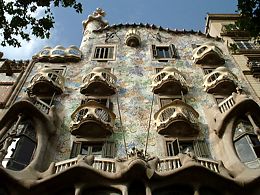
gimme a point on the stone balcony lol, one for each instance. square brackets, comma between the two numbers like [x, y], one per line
[169, 81]
[92, 120]
[220, 81]
[163, 165]
[177, 119]
[208, 54]
[46, 83]
[99, 82]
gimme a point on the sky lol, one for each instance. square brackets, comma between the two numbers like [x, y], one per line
[173, 14]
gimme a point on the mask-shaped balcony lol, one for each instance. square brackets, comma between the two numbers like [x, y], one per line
[169, 81]
[177, 119]
[220, 81]
[99, 82]
[209, 54]
[46, 83]
[92, 120]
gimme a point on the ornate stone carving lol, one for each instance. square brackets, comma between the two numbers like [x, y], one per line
[209, 54]
[99, 82]
[46, 83]
[220, 81]
[59, 54]
[177, 119]
[169, 81]
[98, 17]
[92, 120]
[132, 38]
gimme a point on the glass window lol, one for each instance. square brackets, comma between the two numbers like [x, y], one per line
[104, 53]
[164, 52]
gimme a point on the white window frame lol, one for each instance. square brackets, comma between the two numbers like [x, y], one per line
[104, 46]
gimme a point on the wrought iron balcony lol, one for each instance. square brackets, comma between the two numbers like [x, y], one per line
[92, 120]
[220, 81]
[209, 54]
[99, 82]
[177, 119]
[46, 83]
[169, 81]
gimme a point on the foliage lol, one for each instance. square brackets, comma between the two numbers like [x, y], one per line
[18, 16]
[250, 16]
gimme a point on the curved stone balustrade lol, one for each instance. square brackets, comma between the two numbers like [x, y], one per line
[92, 120]
[46, 83]
[208, 54]
[220, 81]
[59, 54]
[99, 82]
[169, 81]
[163, 165]
[177, 119]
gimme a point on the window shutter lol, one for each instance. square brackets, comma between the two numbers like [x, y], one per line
[76, 146]
[108, 150]
[154, 51]
[172, 51]
[201, 149]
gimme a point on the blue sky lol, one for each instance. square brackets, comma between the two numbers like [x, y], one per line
[179, 14]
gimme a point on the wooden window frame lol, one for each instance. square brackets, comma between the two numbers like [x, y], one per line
[199, 147]
[104, 58]
[108, 148]
[172, 98]
[170, 48]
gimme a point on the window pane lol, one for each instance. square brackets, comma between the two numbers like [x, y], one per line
[244, 151]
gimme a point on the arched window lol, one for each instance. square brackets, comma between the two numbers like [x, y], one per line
[22, 145]
[246, 143]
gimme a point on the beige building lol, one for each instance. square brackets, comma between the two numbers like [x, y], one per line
[245, 51]
[136, 109]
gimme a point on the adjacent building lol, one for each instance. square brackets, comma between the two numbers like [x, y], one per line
[136, 109]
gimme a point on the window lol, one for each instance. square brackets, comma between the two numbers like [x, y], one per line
[246, 142]
[58, 69]
[20, 152]
[164, 52]
[245, 45]
[176, 146]
[98, 149]
[105, 101]
[104, 53]
[167, 100]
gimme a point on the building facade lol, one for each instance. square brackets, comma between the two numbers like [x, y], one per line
[137, 109]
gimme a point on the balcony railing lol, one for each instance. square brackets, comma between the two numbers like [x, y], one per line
[168, 164]
[47, 81]
[99, 82]
[98, 119]
[164, 164]
[226, 104]
[102, 164]
[41, 105]
[178, 119]
[221, 80]
[169, 78]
